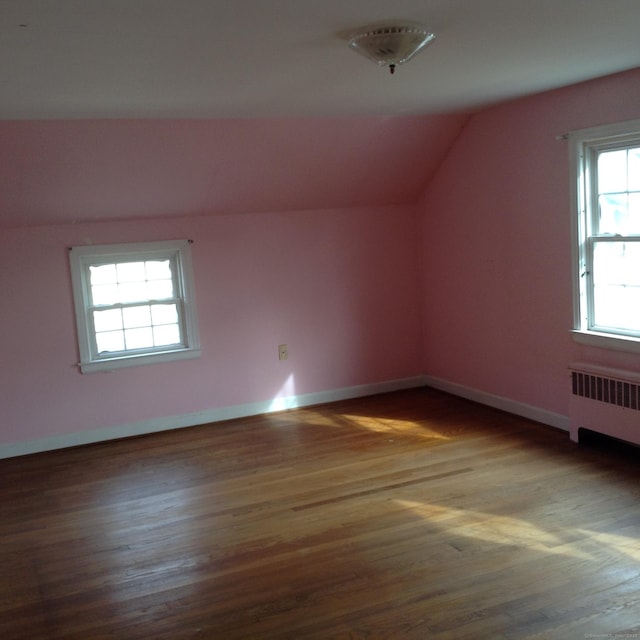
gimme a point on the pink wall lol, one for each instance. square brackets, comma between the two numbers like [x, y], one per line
[497, 288]
[480, 269]
[59, 171]
[337, 285]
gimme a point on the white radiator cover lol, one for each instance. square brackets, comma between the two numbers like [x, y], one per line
[605, 400]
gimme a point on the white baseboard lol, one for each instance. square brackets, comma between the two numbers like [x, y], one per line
[280, 404]
[204, 417]
[498, 402]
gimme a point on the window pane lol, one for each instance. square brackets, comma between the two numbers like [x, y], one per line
[138, 338]
[612, 171]
[133, 292]
[613, 214]
[617, 307]
[136, 317]
[158, 270]
[103, 274]
[616, 272]
[109, 320]
[160, 289]
[131, 271]
[110, 341]
[634, 169]
[634, 214]
[164, 314]
[104, 294]
[617, 263]
[133, 300]
[166, 334]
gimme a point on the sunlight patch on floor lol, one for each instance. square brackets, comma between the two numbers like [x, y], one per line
[497, 529]
[624, 544]
[393, 426]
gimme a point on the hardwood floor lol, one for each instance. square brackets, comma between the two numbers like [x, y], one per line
[406, 515]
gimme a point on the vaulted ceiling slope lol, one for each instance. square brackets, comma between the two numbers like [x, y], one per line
[85, 170]
[147, 108]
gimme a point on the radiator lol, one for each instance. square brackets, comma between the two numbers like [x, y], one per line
[604, 400]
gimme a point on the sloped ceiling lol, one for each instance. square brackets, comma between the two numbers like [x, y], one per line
[71, 171]
[133, 108]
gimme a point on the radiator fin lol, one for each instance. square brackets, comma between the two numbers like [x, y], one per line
[608, 390]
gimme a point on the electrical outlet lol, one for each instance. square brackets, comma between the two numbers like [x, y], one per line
[283, 352]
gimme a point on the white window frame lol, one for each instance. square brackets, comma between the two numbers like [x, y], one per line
[584, 145]
[81, 258]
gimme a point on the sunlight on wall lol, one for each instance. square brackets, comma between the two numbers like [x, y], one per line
[285, 398]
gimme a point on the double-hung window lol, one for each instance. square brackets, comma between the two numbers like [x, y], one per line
[134, 304]
[606, 207]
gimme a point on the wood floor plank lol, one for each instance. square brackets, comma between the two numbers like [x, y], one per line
[407, 515]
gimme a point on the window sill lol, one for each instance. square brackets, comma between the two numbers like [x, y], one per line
[607, 341]
[111, 364]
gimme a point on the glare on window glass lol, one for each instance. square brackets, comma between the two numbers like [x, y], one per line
[131, 271]
[166, 334]
[164, 314]
[108, 320]
[616, 271]
[103, 274]
[612, 171]
[136, 317]
[158, 269]
[613, 213]
[138, 338]
[132, 292]
[104, 294]
[110, 341]
[634, 169]
[634, 213]
[160, 289]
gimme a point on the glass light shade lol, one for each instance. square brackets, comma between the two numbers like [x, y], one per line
[391, 45]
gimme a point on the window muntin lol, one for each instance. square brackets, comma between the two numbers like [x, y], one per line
[134, 303]
[606, 162]
[616, 286]
[617, 184]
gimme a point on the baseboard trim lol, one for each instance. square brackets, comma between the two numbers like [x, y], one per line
[167, 423]
[498, 402]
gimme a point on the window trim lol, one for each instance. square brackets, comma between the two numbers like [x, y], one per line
[80, 259]
[583, 144]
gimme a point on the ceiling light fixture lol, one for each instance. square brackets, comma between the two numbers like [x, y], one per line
[391, 44]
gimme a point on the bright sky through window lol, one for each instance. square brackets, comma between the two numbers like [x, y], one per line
[606, 170]
[133, 301]
[140, 326]
[616, 264]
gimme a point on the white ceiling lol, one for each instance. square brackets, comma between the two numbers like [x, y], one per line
[262, 58]
[128, 109]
